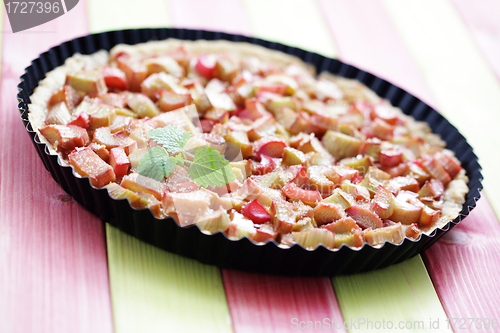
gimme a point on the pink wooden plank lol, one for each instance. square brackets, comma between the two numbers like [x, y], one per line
[219, 15]
[266, 303]
[53, 266]
[464, 265]
[258, 303]
[367, 39]
[482, 19]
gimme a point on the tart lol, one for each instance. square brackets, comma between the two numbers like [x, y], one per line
[247, 141]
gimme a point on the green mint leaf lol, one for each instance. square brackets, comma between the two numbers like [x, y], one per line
[179, 159]
[210, 169]
[156, 164]
[171, 138]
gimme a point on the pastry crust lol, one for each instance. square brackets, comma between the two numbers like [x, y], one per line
[453, 197]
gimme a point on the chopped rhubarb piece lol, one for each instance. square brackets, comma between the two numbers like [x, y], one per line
[293, 192]
[65, 137]
[402, 169]
[359, 193]
[135, 72]
[318, 181]
[89, 164]
[405, 212]
[275, 88]
[340, 197]
[338, 174]
[356, 239]
[240, 227]
[89, 82]
[58, 115]
[390, 158]
[67, 95]
[385, 112]
[405, 184]
[207, 125]
[361, 165]
[119, 161]
[313, 238]
[217, 115]
[328, 212]
[298, 175]
[436, 170]
[429, 216]
[393, 234]
[371, 147]
[225, 69]
[353, 118]
[269, 146]
[283, 217]
[381, 129]
[262, 127]
[99, 115]
[205, 66]
[117, 192]
[82, 120]
[114, 78]
[266, 165]
[138, 183]
[341, 145]
[344, 225]
[433, 189]
[217, 221]
[256, 212]
[449, 164]
[163, 81]
[103, 136]
[188, 206]
[264, 233]
[383, 203]
[164, 64]
[100, 150]
[292, 156]
[114, 99]
[170, 100]
[142, 105]
[364, 217]
[413, 232]
[418, 173]
[179, 181]
[255, 109]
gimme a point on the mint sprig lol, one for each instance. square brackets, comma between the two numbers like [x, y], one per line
[208, 169]
[156, 164]
[172, 138]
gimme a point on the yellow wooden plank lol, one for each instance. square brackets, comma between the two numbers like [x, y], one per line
[292, 22]
[156, 291]
[400, 298]
[107, 15]
[465, 88]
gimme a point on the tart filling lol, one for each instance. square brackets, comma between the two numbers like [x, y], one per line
[237, 138]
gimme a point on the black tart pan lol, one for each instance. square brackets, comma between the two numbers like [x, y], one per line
[217, 249]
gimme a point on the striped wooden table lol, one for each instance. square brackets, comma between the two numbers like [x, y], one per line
[62, 271]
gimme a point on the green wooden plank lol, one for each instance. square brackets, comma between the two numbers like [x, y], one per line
[156, 291]
[277, 20]
[107, 15]
[400, 297]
